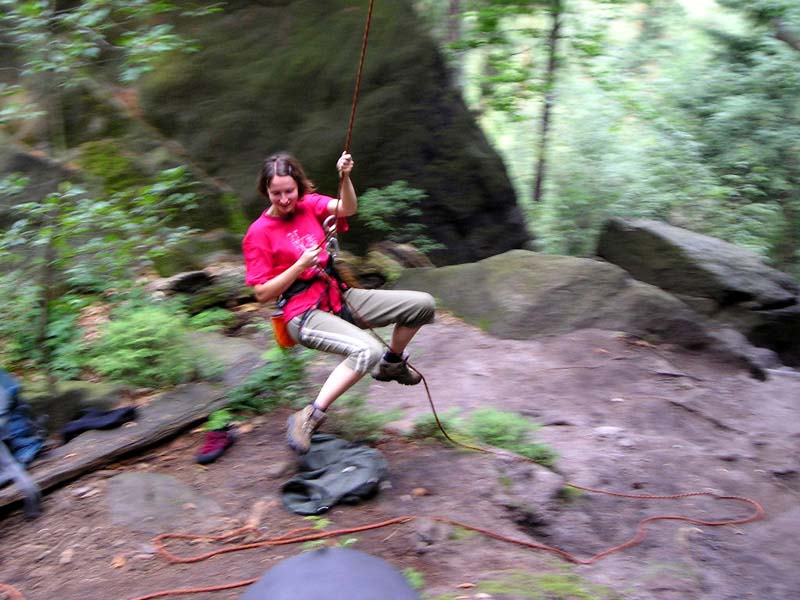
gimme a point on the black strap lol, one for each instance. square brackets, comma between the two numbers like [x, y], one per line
[301, 285]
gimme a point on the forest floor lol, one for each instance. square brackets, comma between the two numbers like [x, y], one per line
[622, 415]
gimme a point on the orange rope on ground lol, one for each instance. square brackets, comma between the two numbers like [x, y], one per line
[294, 536]
[11, 593]
[304, 535]
[184, 592]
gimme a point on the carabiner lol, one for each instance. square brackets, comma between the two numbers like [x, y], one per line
[329, 225]
[332, 247]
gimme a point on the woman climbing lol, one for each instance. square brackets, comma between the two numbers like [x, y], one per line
[286, 259]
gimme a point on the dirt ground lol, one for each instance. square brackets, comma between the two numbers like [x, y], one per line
[621, 415]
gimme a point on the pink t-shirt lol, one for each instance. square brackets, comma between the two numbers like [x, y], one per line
[273, 244]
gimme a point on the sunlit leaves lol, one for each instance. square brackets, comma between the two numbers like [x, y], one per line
[63, 44]
[99, 242]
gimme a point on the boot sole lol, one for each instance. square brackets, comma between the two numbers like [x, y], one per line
[378, 378]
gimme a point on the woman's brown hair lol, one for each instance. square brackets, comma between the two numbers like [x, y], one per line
[282, 164]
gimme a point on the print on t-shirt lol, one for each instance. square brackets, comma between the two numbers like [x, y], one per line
[301, 243]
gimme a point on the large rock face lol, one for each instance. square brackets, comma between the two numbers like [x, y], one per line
[522, 294]
[280, 76]
[730, 285]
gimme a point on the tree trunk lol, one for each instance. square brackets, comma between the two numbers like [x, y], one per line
[556, 12]
[452, 35]
[453, 21]
[47, 276]
[785, 34]
[785, 251]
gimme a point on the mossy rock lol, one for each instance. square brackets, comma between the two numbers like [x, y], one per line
[522, 295]
[106, 161]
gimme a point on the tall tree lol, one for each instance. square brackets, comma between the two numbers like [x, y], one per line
[526, 44]
[556, 14]
[780, 16]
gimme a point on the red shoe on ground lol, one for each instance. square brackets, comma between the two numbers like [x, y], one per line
[215, 444]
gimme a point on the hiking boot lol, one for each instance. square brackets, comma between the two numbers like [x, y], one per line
[397, 371]
[300, 427]
[214, 445]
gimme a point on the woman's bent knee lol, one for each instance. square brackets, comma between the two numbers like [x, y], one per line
[364, 358]
[424, 309]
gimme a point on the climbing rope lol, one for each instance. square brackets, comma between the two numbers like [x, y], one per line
[310, 534]
[354, 103]
[358, 77]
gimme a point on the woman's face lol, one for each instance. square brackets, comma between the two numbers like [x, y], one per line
[282, 192]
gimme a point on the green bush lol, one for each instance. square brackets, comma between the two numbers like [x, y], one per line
[148, 346]
[19, 315]
[393, 212]
[546, 586]
[219, 419]
[68, 350]
[18, 312]
[426, 426]
[212, 319]
[510, 431]
[277, 383]
[414, 578]
[353, 420]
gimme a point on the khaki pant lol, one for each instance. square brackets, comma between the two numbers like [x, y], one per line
[371, 308]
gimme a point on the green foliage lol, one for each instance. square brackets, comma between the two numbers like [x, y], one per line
[671, 111]
[277, 383]
[97, 243]
[212, 319]
[13, 107]
[509, 431]
[679, 121]
[353, 420]
[320, 524]
[427, 427]
[547, 586]
[461, 533]
[147, 346]
[570, 494]
[233, 205]
[19, 341]
[104, 160]
[393, 211]
[219, 419]
[63, 42]
[64, 336]
[489, 426]
[414, 578]
[18, 312]
[70, 238]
